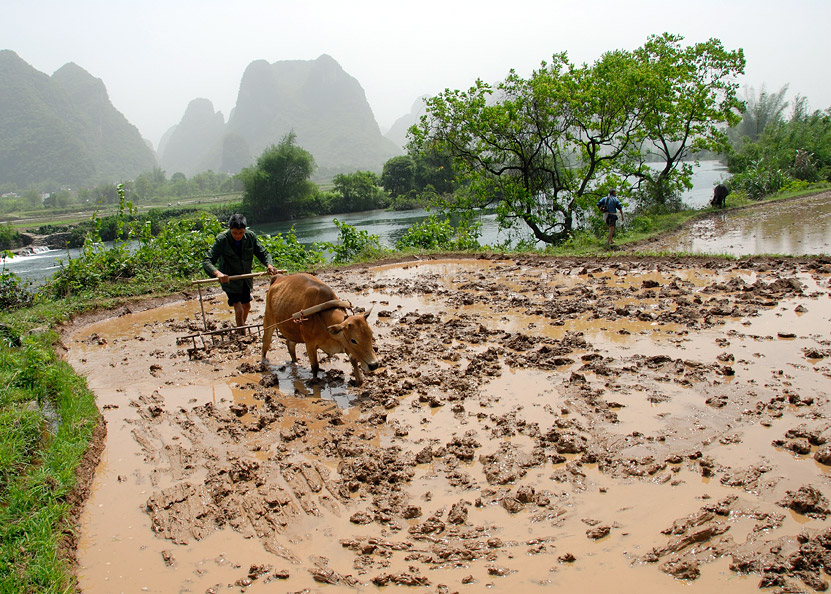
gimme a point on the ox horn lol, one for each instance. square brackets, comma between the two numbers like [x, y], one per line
[367, 312]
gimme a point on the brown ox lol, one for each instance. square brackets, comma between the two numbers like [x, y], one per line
[331, 330]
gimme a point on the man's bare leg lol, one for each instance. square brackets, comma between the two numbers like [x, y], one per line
[241, 313]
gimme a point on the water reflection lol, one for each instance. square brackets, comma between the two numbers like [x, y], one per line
[796, 227]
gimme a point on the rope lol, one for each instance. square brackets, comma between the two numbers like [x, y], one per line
[302, 315]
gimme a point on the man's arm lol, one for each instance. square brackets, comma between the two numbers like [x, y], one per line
[263, 256]
[209, 263]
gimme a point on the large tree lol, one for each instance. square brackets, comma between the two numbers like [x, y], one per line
[688, 100]
[278, 186]
[535, 148]
[357, 191]
[541, 150]
[397, 176]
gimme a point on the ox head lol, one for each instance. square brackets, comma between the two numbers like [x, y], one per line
[356, 337]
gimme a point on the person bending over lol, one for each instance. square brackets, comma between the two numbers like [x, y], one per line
[233, 254]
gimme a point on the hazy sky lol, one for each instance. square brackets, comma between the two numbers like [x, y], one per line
[156, 56]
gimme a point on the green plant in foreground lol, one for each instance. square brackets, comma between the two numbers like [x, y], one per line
[290, 254]
[40, 452]
[14, 293]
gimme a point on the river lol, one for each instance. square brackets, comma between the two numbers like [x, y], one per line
[795, 227]
[389, 226]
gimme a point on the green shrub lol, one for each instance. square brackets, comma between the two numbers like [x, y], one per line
[758, 181]
[14, 293]
[288, 253]
[352, 244]
[9, 237]
[435, 234]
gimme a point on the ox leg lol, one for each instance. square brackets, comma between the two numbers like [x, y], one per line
[356, 371]
[268, 333]
[292, 346]
[312, 352]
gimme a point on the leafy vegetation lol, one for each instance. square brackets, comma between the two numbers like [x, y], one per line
[47, 417]
[353, 244]
[541, 150]
[278, 186]
[356, 192]
[797, 149]
[418, 179]
[9, 237]
[436, 234]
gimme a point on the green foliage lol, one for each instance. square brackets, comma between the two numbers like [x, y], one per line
[356, 192]
[14, 293]
[9, 237]
[398, 175]
[278, 186]
[795, 149]
[687, 95]
[435, 234]
[352, 244]
[541, 150]
[286, 252]
[47, 415]
[176, 251]
[760, 180]
[416, 180]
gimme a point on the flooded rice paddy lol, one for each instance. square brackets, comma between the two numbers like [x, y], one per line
[800, 226]
[538, 425]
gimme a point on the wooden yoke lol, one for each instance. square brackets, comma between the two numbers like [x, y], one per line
[334, 303]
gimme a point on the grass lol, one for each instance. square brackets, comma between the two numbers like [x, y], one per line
[32, 219]
[37, 468]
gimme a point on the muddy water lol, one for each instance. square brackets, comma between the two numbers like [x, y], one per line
[626, 426]
[795, 227]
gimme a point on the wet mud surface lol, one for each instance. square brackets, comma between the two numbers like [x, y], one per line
[626, 425]
[797, 226]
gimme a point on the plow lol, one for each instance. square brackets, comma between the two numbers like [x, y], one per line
[200, 340]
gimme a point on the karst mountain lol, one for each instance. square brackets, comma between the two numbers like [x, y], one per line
[63, 128]
[316, 99]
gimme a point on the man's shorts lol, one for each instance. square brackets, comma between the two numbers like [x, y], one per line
[244, 297]
[611, 220]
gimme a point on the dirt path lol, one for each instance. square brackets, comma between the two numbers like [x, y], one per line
[620, 425]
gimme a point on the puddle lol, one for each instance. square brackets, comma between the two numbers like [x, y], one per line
[535, 424]
[799, 226]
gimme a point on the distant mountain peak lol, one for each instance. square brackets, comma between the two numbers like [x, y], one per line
[318, 100]
[63, 129]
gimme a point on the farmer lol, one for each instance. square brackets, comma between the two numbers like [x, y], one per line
[233, 254]
[612, 207]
